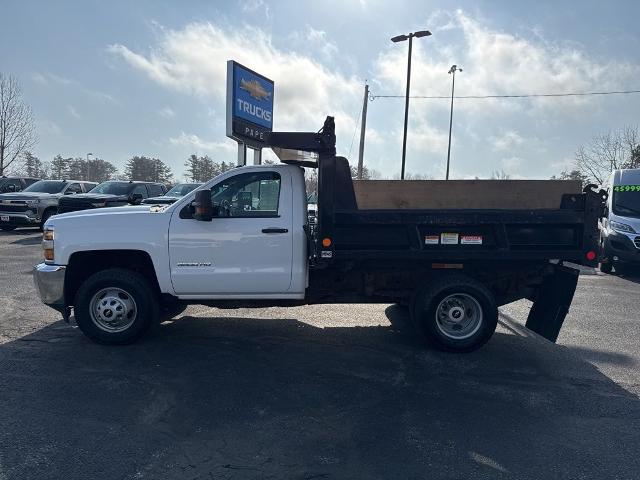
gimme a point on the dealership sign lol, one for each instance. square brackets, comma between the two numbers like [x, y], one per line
[249, 105]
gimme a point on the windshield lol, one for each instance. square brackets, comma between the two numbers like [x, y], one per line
[113, 188]
[626, 200]
[46, 186]
[182, 189]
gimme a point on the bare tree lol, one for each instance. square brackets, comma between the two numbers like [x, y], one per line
[611, 151]
[499, 175]
[17, 129]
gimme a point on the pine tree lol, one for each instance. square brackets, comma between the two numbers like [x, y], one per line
[60, 167]
[148, 170]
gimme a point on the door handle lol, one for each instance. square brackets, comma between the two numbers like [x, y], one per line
[274, 230]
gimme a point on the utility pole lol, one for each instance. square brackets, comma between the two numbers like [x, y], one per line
[452, 71]
[402, 38]
[363, 127]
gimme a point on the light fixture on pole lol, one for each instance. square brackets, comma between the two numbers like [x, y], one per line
[402, 38]
[88, 166]
[452, 71]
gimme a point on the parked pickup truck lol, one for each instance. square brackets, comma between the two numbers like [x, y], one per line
[176, 192]
[15, 184]
[243, 240]
[112, 194]
[35, 204]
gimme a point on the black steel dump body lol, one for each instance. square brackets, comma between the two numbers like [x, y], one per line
[435, 238]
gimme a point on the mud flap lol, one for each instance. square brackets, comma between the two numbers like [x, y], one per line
[552, 303]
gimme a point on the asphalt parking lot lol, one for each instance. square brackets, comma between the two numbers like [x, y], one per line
[316, 392]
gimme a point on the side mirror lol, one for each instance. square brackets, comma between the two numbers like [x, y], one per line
[135, 198]
[69, 192]
[203, 207]
[11, 188]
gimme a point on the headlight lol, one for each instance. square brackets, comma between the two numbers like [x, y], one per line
[48, 236]
[621, 227]
[32, 203]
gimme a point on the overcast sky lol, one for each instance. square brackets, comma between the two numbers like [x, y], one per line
[147, 77]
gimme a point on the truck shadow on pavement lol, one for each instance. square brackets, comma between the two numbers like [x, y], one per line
[263, 398]
[31, 240]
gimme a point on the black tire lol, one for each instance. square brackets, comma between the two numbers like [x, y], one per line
[606, 267]
[45, 216]
[8, 228]
[135, 286]
[453, 287]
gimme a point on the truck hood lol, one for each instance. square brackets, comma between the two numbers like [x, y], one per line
[119, 213]
[97, 197]
[163, 200]
[139, 227]
[28, 196]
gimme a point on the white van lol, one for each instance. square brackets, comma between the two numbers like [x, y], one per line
[620, 227]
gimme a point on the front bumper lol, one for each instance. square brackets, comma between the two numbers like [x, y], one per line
[19, 220]
[625, 247]
[49, 280]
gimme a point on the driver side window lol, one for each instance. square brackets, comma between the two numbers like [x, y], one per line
[248, 195]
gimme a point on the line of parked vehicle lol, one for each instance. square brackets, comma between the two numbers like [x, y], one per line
[29, 202]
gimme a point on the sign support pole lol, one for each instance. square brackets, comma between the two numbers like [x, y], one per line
[257, 156]
[242, 153]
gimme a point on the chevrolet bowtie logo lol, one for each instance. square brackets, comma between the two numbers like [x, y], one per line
[254, 88]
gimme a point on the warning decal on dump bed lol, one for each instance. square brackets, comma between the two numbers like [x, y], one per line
[449, 238]
[471, 240]
[431, 240]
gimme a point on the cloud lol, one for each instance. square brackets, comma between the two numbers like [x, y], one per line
[509, 140]
[256, 6]
[315, 41]
[511, 163]
[193, 141]
[192, 60]
[50, 79]
[496, 62]
[74, 113]
[166, 112]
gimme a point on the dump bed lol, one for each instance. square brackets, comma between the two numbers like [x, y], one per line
[569, 231]
[446, 221]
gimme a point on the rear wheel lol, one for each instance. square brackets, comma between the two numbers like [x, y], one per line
[115, 306]
[455, 313]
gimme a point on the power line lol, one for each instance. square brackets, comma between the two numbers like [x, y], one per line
[354, 133]
[529, 95]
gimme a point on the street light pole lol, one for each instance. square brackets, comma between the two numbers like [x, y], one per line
[452, 71]
[88, 166]
[402, 38]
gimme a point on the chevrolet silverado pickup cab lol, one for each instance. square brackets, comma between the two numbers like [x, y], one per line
[243, 240]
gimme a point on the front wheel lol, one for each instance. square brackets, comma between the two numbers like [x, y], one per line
[45, 216]
[455, 313]
[115, 306]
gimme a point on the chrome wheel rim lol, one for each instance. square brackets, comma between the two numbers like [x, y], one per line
[113, 310]
[459, 316]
